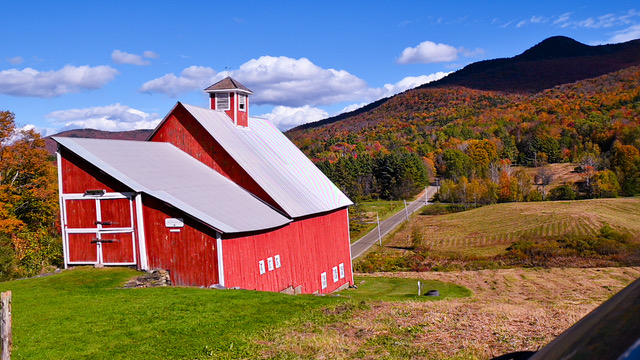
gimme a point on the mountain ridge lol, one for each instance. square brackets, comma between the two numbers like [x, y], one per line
[554, 61]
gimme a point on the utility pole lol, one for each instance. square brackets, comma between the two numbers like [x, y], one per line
[405, 209]
[379, 235]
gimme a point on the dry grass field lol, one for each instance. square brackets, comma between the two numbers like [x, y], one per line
[489, 230]
[510, 310]
[563, 173]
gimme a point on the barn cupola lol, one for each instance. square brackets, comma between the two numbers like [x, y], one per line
[231, 97]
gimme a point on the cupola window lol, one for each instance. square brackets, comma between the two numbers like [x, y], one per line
[242, 102]
[222, 101]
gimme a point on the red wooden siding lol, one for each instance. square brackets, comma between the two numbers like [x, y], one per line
[81, 214]
[116, 213]
[81, 249]
[183, 131]
[119, 251]
[78, 176]
[243, 116]
[189, 255]
[306, 248]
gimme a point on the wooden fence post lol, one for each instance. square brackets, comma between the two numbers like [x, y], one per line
[5, 325]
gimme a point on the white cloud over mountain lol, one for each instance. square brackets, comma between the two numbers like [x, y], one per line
[285, 118]
[284, 81]
[296, 87]
[429, 52]
[115, 117]
[46, 84]
[630, 33]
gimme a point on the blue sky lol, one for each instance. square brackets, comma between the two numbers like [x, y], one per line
[122, 65]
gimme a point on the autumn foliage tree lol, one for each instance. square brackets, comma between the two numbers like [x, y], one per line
[29, 218]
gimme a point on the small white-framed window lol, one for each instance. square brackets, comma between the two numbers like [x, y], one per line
[341, 266]
[323, 280]
[222, 101]
[335, 274]
[270, 264]
[262, 268]
[277, 260]
[242, 102]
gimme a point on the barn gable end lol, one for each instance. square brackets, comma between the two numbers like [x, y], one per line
[181, 129]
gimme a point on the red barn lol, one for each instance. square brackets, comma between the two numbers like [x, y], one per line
[214, 196]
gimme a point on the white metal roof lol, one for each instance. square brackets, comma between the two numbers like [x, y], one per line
[171, 175]
[274, 162]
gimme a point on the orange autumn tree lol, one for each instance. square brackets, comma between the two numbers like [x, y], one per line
[29, 217]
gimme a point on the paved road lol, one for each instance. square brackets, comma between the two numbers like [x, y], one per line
[359, 247]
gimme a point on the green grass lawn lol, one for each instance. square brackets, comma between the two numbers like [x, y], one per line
[401, 289]
[85, 314]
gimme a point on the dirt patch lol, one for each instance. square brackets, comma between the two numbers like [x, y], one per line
[510, 310]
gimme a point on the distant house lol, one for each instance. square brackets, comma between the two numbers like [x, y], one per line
[214, 196]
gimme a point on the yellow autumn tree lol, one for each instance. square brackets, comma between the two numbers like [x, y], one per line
[29, 217]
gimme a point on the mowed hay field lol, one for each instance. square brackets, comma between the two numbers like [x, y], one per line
[489, 230]
[510, 310]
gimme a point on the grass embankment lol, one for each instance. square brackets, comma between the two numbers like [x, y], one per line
[85, 313]
[402, 289]
[479, 238]
[362, 217]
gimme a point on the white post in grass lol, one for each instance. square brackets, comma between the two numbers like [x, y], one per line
[419, 285]
[6, 339]
[379, 234]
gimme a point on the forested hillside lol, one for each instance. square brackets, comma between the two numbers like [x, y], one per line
[466, 135]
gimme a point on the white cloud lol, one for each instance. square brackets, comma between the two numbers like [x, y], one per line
[70, 79]
[429, 52]
[121, 57]
[285, 118]
[116, 117]
[538, 20]
[296, 82]
[563, 20]
[191, 78]
[630, 33]
[150, 54]
[274, 80]
[17, 60]
[407, 83]
[287, 82]
[352, 107]
[598, 22]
